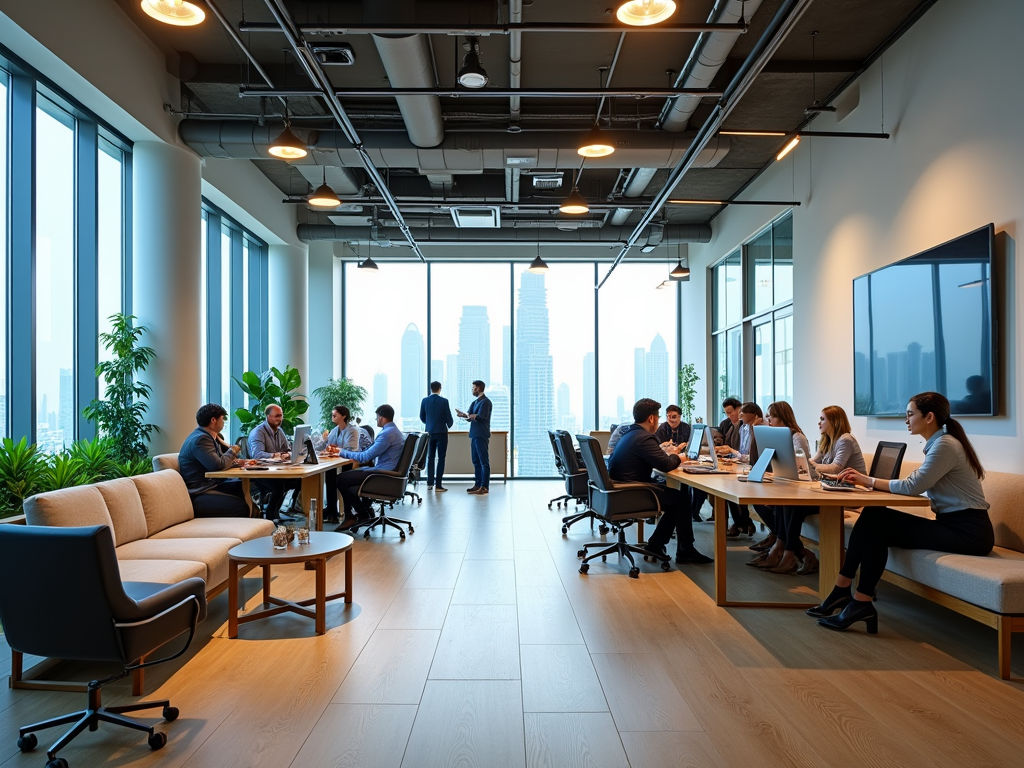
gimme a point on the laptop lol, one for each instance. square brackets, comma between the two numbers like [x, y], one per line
[700, 434]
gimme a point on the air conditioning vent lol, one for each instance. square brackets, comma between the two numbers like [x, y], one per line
[547, 180]
[339, 55]
[478, 217]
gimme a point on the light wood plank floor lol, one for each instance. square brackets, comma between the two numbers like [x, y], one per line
[476, 642]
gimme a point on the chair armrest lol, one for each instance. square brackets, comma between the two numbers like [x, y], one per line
[148, 603]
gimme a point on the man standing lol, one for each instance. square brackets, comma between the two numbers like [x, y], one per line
[479, 418]
[203, 451]
[436, 414]
[268, 441]
[636, 455]
[386, 449]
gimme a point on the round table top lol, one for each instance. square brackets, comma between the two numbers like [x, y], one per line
[321, 544]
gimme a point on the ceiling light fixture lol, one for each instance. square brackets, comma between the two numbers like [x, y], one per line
[751, 133]
[287, 145]
[574, 203]
[367, 263]
[178, 13]
[643, 13]
[537, 266]
[662, 284]
[790, 146]
[697, 202]
[324, 196]
[680, 272]
[594, 145]
[472, 74]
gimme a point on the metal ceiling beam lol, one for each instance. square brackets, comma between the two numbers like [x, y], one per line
[487, 93]
[483, 30]
[782, 23]
[317, 75]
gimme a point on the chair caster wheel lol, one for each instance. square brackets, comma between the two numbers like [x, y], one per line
[401, 534]
[565, 529]
[603, 529]
[57, 762]
[581, 553]
[634, 572]
[419, 501]
[665, 566]
[584, 568]
[604, 558]
[170, 714]
[367, 534]
[549, 505]
[27, 742]
[647, 558]
[411, 529]
[157, 740]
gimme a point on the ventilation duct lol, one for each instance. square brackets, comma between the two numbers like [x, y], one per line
[610, 236]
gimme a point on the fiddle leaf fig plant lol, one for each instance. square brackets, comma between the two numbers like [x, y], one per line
[273, 387]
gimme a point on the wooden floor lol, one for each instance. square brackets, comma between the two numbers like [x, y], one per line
[476, 642]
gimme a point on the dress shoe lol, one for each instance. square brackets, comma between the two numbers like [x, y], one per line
[348, 524]
[474, 489]
[430, 486]
[735, 531]
[809, 565]
[855, 610]
[439, 489]
[697, 518]
[772, 561]
[656, 551]
[790, 567]
[764, 544]
[690, 556]
[756, 562]
[838, 598]
[480, 492]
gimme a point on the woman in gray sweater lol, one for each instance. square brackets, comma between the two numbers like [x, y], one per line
[838, 448]
[950, 477]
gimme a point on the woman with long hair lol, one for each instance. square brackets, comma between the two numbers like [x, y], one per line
[950, 477]
[344, 436]
[838, 448]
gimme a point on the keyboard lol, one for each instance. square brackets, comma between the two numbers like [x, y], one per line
[702, 470]
[834, 484]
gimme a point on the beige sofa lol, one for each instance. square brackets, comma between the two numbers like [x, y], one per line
[157, 539]
[988, 589]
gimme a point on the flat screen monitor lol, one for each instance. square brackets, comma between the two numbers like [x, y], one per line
[699, 436]
[927, 323]
[302, 433]
[781, 440]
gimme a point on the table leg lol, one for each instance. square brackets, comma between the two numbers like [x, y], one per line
[321, 595]
[721, 548]
[247, 493]
[232, 598]
[311, 485]
[831, 543]
[348, 575]
[266, 585]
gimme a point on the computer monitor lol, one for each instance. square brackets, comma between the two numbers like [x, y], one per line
[302, 433]
[780, 440]
[699, 435]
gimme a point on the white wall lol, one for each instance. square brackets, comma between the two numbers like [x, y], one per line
[954, 104]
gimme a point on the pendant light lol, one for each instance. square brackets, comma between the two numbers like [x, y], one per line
[178, 13]
[574, 204]
[324, 196]
[472, 74]
[368, 263]
[288, 146]
[643, 13]
[594, 145]
[680, 272]
[537, 266]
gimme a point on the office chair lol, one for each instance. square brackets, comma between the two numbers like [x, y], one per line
[387, 487]
[419, 463]
[576, 483]
[618, 504]
[70, 604]
[561, 472]
[888, 460]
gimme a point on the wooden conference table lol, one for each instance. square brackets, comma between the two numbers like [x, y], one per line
[311, 475]
[725, 488]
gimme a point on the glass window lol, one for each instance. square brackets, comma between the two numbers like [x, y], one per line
[3, 252]
[728, 291]
[759, 254]
[782, 259]
[553, 358]
[386, 347]
[637, 349]
[784, 358]
[203, 293]
[225, 328]
[245, 305]
[55, 277]
[763, 365]
[110, 237]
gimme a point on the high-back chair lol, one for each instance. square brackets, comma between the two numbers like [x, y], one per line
[384, 488]
[888, 460]
[70, 603]
[419, 463]
[577, 485]
[565, 497]
[618, 504]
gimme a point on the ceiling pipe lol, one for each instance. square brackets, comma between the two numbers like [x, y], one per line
[672, 233]
[399, 92]
[484, 30]
[639, 179]
[515, 59]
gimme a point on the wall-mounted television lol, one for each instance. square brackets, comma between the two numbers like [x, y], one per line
[927, 323]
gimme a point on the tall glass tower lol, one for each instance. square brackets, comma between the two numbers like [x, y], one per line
[534, 390]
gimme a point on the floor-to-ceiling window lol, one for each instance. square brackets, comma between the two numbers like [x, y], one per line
[110, 215]
[4, 141]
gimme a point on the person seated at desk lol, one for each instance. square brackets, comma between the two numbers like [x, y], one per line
[674, 432]
[204, 451]
[616, 435]
[741, 438]
[783, 551]
[838, 448]
[950, 477]
[636, 455]
[343, 436]
[268, 441]
[386, 449]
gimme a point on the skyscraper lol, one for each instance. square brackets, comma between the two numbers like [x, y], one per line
[562, 401]
[656, 372]
[437, 370]
[474, 360]
[414, 388]
[588, 392]
[639, 370]
[66, 417]
[534, 388]
[506, 354]
[501, 419]
[380, 390]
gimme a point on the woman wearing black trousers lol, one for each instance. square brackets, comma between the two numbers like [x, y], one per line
[950, 477]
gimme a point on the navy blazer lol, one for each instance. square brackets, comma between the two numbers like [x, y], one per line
[481, 425]
[637, 453]
[436, 414]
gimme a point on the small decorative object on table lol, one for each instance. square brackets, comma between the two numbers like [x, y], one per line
[303, 535]
[281, 537]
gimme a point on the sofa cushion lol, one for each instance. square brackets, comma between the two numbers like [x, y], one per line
[1005, 492]
[995, 582]
[166, 461]
[212, 552]
[244, 528]
[125, 507]
[68, 507]
[164, 498]
[161, 571]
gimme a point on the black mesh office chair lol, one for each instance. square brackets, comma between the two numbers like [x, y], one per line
[419, 463]
[577, 486]
[618, 504]
[70, 603]
[384, 488]
[565, 497]
[888, 460]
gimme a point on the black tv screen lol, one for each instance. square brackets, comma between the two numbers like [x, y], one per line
[927, 324]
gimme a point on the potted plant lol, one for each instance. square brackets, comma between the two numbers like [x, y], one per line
[273, 387]
[338, 392]
[688, 379]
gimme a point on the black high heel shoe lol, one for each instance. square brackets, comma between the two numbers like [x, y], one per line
[856, 610]
[837, 598]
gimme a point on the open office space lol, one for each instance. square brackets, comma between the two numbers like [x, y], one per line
[580, 211]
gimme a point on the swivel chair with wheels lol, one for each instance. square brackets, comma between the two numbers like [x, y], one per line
[71, 604]
[576, 483]
[618, 504]
[561, 472]
[419, 463]
[384, 488]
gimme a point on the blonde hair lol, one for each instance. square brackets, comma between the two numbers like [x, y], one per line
[838, 425]
[783, 411]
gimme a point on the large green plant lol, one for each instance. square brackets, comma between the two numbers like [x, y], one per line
[688, 379]
[273, 387]
[338, 392]
[22, 468]
[121, 417]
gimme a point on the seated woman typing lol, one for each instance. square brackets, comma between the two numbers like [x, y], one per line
[782, 551]
[950, 477]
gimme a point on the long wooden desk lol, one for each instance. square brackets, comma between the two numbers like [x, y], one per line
[311, 475]
[725, 488]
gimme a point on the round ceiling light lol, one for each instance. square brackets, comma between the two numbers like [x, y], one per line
[574, 204]
[324, 197]
[288, 146]
[175, 12]
[643, 13]
[594, 145]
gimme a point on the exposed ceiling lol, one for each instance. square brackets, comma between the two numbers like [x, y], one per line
[432, 152]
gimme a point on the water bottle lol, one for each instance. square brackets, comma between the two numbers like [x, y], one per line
[314, 512]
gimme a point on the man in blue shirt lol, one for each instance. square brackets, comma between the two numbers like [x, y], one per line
[479, 418]
[386, 449]
[268, 441]
[436, 414]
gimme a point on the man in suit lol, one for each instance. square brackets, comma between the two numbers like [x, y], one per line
[436, 414]
[479, 418]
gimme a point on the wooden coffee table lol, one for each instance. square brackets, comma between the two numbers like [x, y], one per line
[322, 546]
